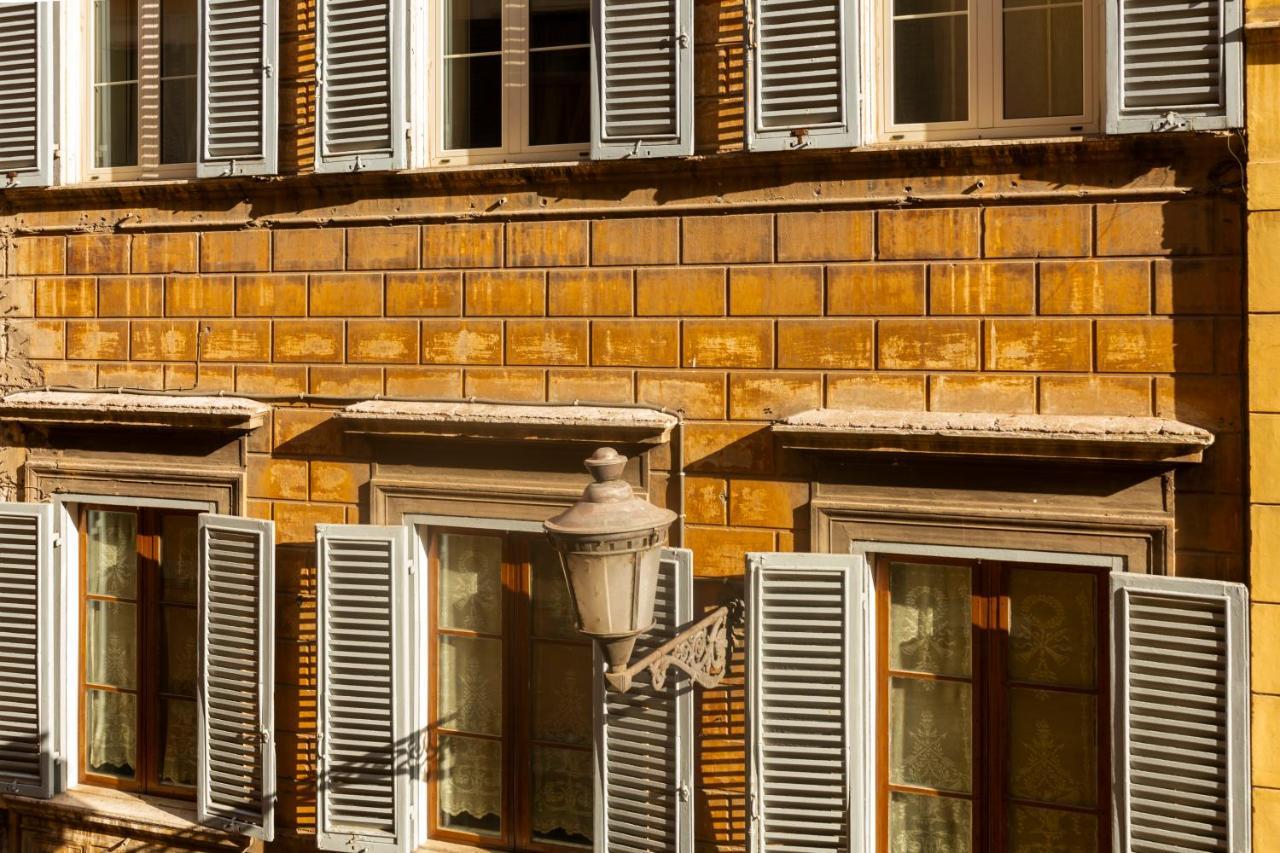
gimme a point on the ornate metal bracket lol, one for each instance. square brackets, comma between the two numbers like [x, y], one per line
[701, 651]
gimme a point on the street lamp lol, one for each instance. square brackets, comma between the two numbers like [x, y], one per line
[610, 545]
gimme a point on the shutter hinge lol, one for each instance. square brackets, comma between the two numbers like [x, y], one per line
[683, 793]
[57, 540]
[268, 70]
[412, 567]
[682, 39]
[1171, 120]
[751, 33]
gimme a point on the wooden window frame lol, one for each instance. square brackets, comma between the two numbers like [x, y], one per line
[990, 620]
[516, 740]
[150, 651]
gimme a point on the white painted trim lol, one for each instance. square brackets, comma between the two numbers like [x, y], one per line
[868, 550]
[497, 524]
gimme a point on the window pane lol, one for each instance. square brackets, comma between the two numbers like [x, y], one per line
[111, 644]
[111, 733]
[178, 669]
[473, 102]
[470, 685]
[112, 554]
[553, 615]
[1053, 627]
[178, 559]
[116, 35]
[178, 38]
[930, 68]
[929, 824]
[116, 125]
[563, 808]
[178, 763]
[559, 97]
[930, 734]
[562, 692]
[1043, 61]
[471, 583]
[559, 22]
[930, 618]
[1033, 830]
[474, 26]
[470, 784]
[178, 120]
[1053, 747]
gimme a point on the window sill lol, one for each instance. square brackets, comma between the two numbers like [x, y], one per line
[122, 810]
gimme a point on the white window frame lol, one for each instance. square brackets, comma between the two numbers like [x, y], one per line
[986, 79]
[515, 100]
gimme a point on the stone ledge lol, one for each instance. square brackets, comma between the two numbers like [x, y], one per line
[96, 408]
[1051, 437]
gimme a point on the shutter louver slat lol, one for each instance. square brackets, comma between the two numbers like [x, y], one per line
[237, 681]
[238, 87]
[644, 780]
[1182, 762]
[26, 94]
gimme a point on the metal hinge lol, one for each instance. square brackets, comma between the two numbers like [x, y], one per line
[412, 567]
[1171, 120]
[57, 540]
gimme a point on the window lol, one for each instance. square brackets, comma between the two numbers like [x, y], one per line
[513, 79]
[139, 571]
[987, 68]
[992, 717]
[510, 740]
[144, 72]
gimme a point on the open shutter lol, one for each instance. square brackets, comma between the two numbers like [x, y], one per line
[26, 94]
[360, 70]
[26, 649]
[239, 42]
[1181, 670]
[1174, 65]
[237, 755]
[802, 74]
[642, 88]
[644, 746]
[365, 619]
[806, 678]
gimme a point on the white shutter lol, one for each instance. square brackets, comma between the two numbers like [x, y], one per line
[642, 86]
[360, 68]
[1181, 672]
[806, 681]
[644, 738]
[237, 751]
[26, 94]
[26, 649]
[1174, 65]
[239, 43]
[802, 74]
[365, 619]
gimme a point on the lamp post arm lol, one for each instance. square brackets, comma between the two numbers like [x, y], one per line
[701, 651]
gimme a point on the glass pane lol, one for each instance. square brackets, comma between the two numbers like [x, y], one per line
[1033, 830]
[111, 644]
[178, 38]
[473, 102]
[178, 762]
[930, 734]
[178, 559]
[562, 693]
[553, 615]
[559, 22]
[559, 97]
[178, 672]
[930, 618]
[111, 733]
[178, 120]
[902, 8]
[112, 554]
[470, 685]
[1053, 627]
[1044, 62]
[116, 36]
[469, 786]
[929, 824]
[116, 125]
[474, 26]
[1053, 755]
[931, 69]
[471, 583]
[562, 798]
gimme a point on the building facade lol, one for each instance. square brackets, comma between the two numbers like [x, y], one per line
[930, 324]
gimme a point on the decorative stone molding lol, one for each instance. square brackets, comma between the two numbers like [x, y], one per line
[98, 409]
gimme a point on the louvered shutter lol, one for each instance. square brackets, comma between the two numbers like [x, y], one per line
[237, 778]
[26, 649]
[1174, 65]
[1181, 672]
[642, 88]
[239, 42]
[365, 618]
[360, 69]
[644, 738]
[802, 74]
[806, 749]
[26, 94]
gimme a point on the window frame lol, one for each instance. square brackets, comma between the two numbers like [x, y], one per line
[985, 82]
